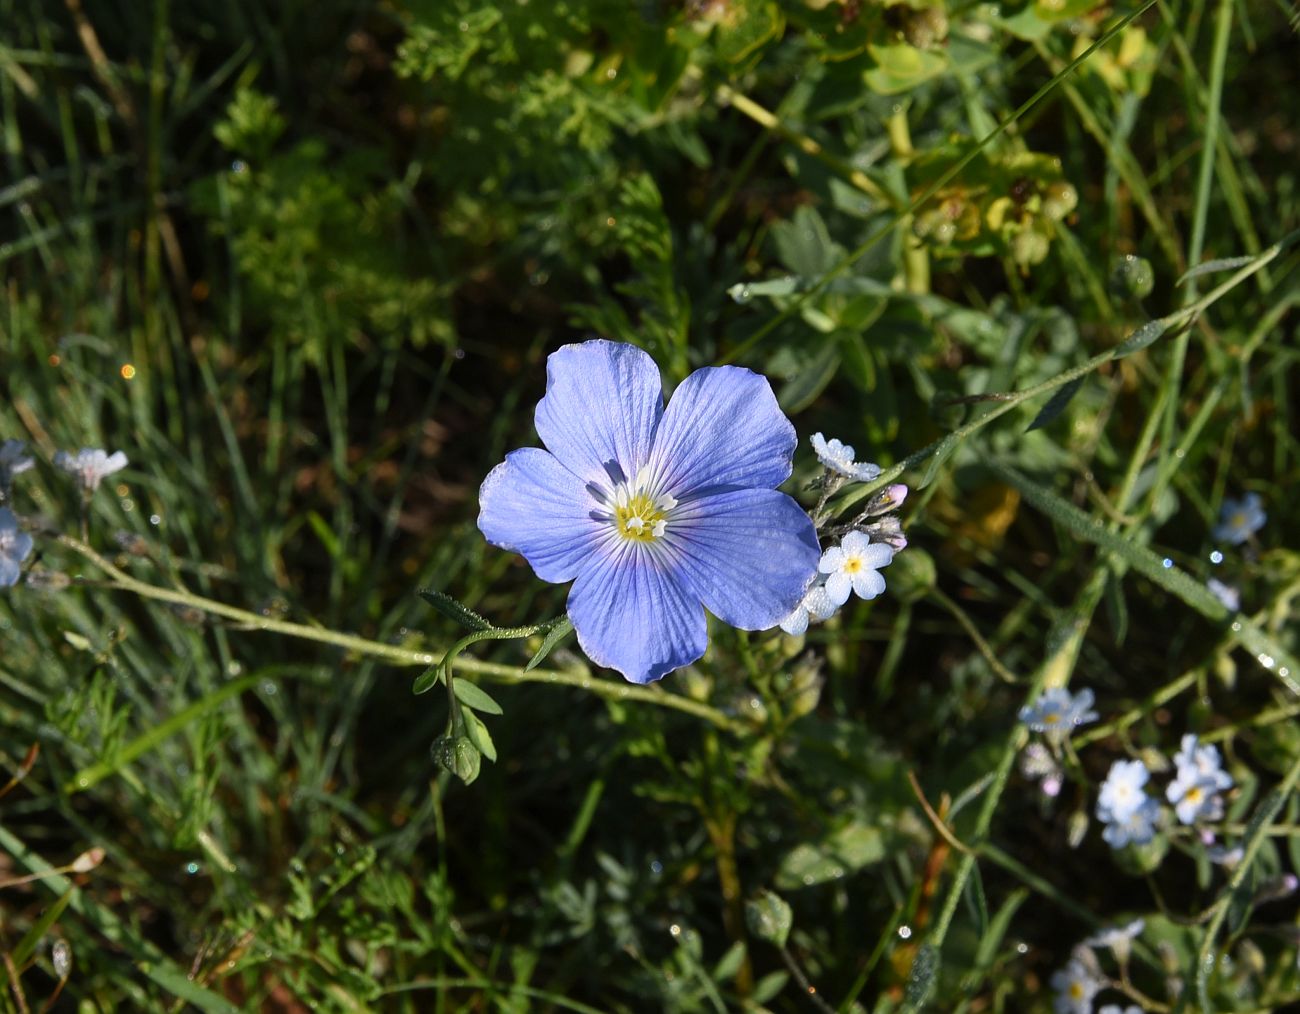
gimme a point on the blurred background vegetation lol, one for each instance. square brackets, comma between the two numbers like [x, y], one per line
[303, 262]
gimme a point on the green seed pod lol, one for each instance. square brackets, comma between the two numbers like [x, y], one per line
[457, 755]
[925, 28]
[1059, 200]
[1132, 278]
[1029, 247]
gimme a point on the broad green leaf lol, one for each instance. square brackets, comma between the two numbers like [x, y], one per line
[846, 851]
[902, 67]
[473, 696]
[476, 697]
[428, 679]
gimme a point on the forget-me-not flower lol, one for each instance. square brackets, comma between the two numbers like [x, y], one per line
[1119, 939]
[1123, 805]
[1137, 827]
[13, 461]
[1075, 984]
[1195, 760]
[1122, 792]
[1199, 780]
[1240, 519]
[851, 567]
[15, 547]
[838, 457]
[815, 605]
[655, 514]
[1056, 712]
[89, 466]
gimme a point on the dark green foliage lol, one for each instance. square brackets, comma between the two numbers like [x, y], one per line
[303, 263]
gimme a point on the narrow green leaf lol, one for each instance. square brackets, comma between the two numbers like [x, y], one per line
[925, 966]
[27, 945]
[943, 450]
[1056, 403]
[1141, 338]
[991, 938]
[454, 610]
[1268, 652]
[1210, 267]
[562, 629]
[474, 696]
[87, 777]
[172, 979]
[479, 735]
[428, 679]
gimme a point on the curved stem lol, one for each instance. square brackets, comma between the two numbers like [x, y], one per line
[393, 653]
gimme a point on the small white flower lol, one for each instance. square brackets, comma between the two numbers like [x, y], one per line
[15, 547]
[850, 567]
[1196, 761]
[1221, 855]
[1118, 939]
[1056, 712]
[1240, 519]
[1114, 1008]
[1195, 797]
[89, 466]
[1122, 792]
[1075, 984]
[1138, 827]
[838, 457]
[1225, 593]
[816, 605]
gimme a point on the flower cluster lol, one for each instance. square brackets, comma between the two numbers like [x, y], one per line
[88, 467]
[867, 545]
[1131, 815]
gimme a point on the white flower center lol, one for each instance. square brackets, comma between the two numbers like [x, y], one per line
[638, 510]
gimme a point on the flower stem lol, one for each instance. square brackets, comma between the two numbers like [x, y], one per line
[395, 654]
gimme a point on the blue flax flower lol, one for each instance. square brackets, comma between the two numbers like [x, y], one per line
[655, 514]
[15, 546]
[1240, 519]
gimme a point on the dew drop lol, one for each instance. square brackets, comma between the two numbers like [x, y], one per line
[1216, 556]
[905, 932]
